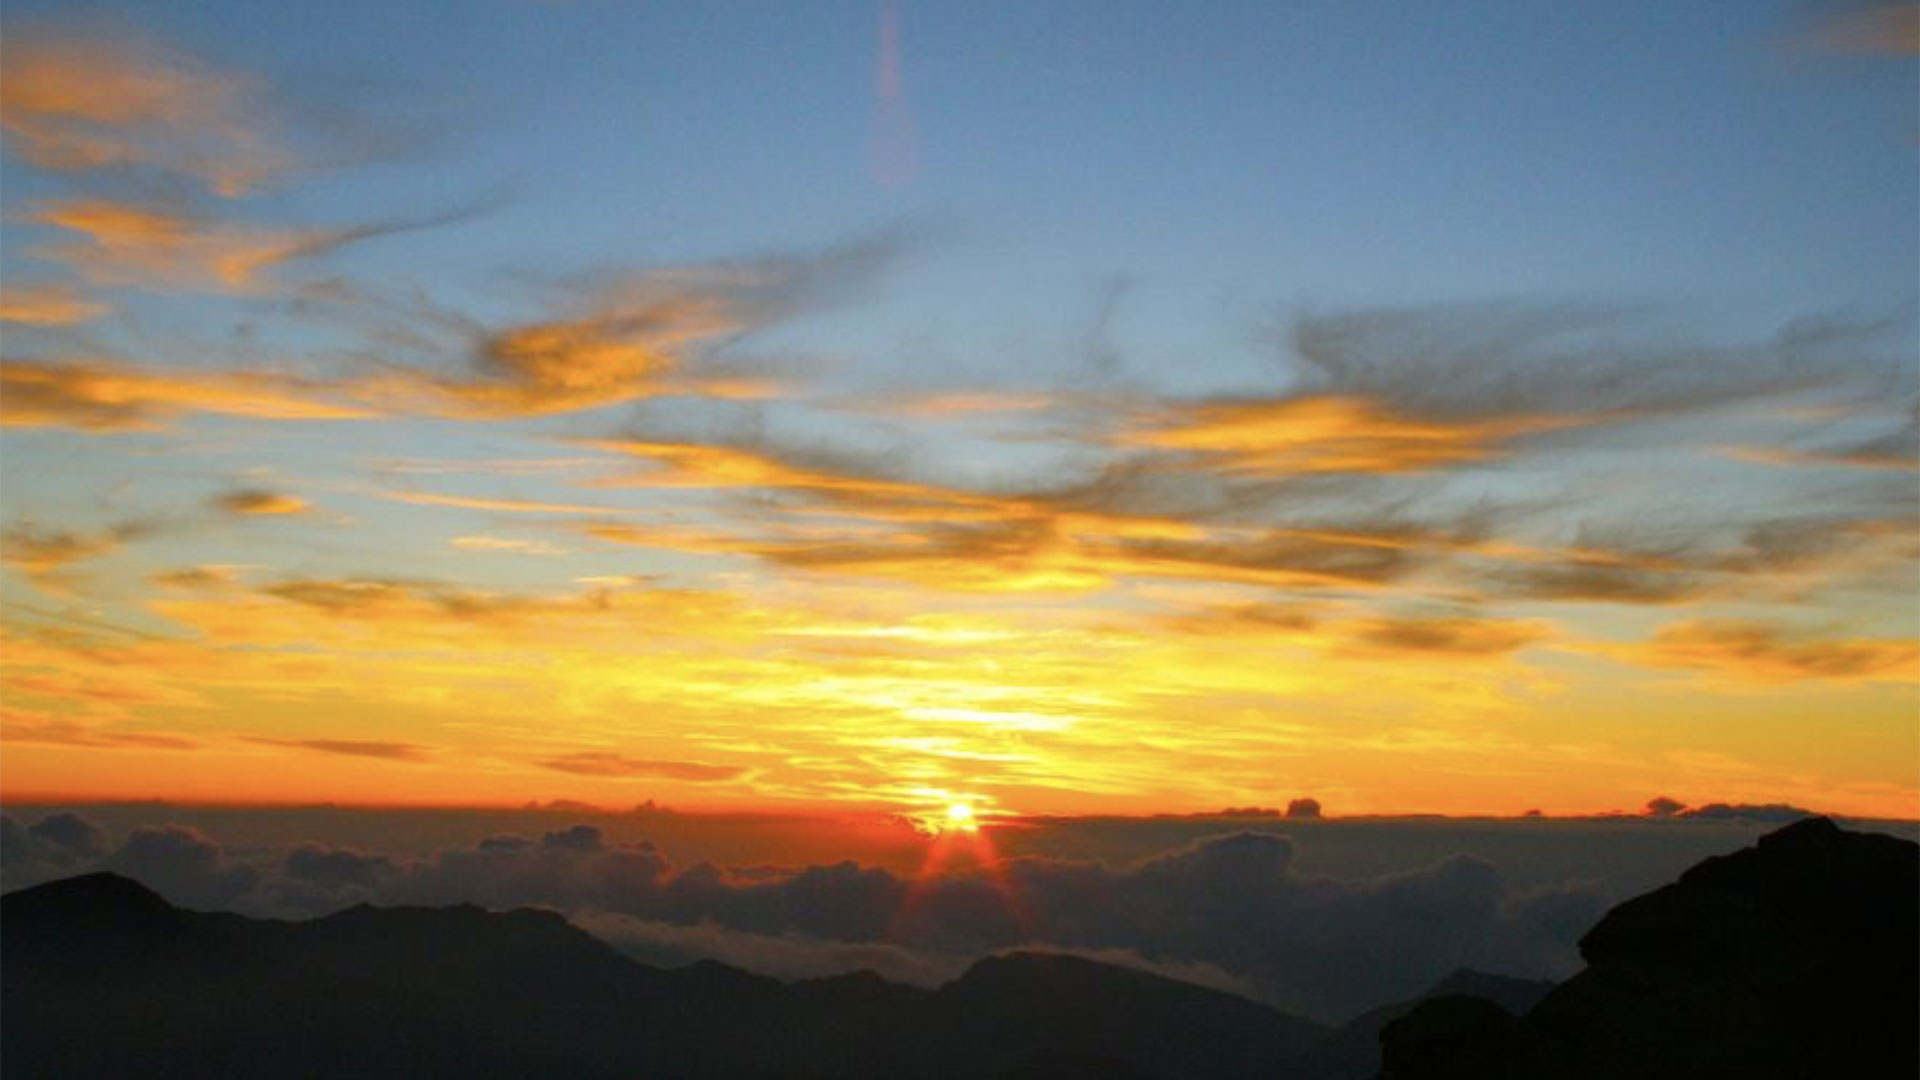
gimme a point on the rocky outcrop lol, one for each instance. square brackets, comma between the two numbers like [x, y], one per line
[1798, 957]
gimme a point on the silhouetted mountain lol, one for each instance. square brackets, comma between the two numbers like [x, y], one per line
[104, 978]
[1353, 1051]
[1798, 957]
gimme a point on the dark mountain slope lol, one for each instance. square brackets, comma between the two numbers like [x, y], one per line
[104, 978]
[1353, 1051]
[1798, 957]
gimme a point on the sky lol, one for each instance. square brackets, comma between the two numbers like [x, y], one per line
[1067, 408]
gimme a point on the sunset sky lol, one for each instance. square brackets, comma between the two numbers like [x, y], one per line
[1067, 407]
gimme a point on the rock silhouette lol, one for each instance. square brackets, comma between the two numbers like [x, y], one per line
[1797, 957]
[103, 978]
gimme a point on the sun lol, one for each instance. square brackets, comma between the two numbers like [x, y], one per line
[960, 816]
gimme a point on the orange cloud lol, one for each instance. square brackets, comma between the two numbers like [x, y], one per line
[598, 763]
[635, 337]
[38, 551]
[104, 396]
[1326, 434]
[1771, 652]
[256, 501]
[46, 305]
[390, 751]
[507, 544]
[76, 101]
[141, 246]
[19, 727]
[1460, 637]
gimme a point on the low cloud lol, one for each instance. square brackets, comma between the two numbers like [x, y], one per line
[181, 864]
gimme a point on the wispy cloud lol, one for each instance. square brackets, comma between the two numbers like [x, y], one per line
[105, 396]
[635, 336]
[390, 751]
[76, 100]
[1324, 434]
[47, 305]
[602, 763]
[493, 505]
[21, 727]
[1767, 651]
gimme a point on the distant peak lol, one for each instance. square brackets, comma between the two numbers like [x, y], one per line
[1807, 832]
[96, 890]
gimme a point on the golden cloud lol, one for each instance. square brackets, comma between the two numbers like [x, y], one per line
[47, 305]
[1771, 652]
[105, 396]
[389, 751]
[1325, 434]
[126, 244]
[21, 727]
[1459, 636]
[258, 502]
[76, 101]
[39, 552]
[599, 763]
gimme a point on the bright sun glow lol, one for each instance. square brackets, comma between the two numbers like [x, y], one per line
[960, 816]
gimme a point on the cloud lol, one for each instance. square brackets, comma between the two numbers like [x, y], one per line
[77, 100]
[1588, 367]
[601, 763]
[1595, 581]
[38, 551]
[17, 726]
[47, 305]
[495, 505]
[337, 868]
[45, 555]
[259, 502]
[57, 845]
[389, 751]
[1894, 453]
[506, 544]
[1892, 29]
[182, 865]
[104, 396]
[1772, 652]
[151, 248]
[635, 337]
[1451, 636]
[1290, 436]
